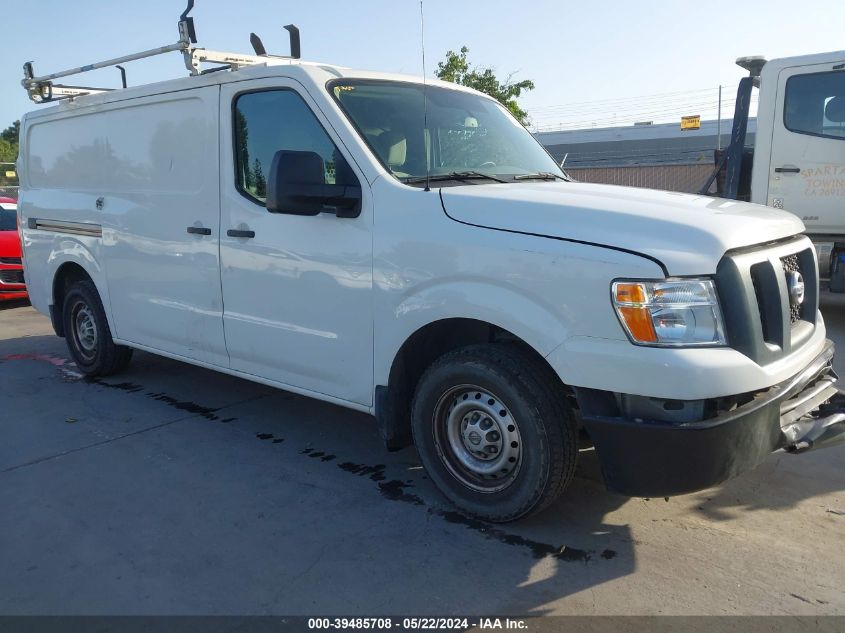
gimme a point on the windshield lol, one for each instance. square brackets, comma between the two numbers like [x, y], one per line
[466, 132]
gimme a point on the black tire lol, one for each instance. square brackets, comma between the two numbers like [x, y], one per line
[525, 395]
[88, 335]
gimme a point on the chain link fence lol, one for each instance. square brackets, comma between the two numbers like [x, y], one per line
[8, 180]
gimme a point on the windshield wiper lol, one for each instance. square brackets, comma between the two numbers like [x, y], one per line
[540, 175]
[453, 175]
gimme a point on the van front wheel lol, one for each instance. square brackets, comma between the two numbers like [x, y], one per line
[494, 431]
[88, 335]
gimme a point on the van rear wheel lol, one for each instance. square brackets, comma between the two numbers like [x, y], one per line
[494, 431]
[88, 335]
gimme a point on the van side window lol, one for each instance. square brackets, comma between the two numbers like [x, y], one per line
[815, 104]
[272, 120]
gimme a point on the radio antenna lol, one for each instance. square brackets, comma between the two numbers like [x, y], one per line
[425, 103]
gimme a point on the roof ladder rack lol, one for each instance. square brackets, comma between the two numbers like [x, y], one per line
[42, 89]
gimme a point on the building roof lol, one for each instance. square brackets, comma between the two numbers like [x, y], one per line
[661, 144]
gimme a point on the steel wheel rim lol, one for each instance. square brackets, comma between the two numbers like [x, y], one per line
[84, 328]
[477, 438]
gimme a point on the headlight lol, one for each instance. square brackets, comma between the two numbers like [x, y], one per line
[675, 313]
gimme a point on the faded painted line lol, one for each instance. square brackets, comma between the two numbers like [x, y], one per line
[94, 445]
[67, 367]
[125, 435]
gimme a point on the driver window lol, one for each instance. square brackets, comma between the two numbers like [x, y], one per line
[272, 120]
[815, 104]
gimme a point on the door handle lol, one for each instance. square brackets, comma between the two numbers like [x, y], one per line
[787, 169]
[199, 230]
[240, 233]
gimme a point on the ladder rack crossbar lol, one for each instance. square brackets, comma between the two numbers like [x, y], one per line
[181, 45]
[41, 89]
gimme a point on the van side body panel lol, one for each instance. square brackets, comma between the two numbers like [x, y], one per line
[143, 170]
[159, 273]
[45, 252]
[298, 293]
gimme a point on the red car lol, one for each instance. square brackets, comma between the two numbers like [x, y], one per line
[11, 269]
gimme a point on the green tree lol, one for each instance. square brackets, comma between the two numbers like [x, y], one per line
[9, 143]
[242, 149]
[12, 133]
[456, 69]
[8, 151]
[260, 180]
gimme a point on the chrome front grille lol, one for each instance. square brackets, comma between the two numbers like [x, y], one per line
[754, 293]
[790, 265]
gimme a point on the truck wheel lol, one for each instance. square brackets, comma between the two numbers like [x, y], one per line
[494, 431]
[87, 333]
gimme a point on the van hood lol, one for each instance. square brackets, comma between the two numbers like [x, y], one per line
[688, 234]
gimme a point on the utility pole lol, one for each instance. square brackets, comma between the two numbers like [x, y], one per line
[719, 122]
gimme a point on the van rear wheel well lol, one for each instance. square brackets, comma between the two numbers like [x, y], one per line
[420, 350]
[68, 274]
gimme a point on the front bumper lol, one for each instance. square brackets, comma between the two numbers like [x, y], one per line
[655, 459]
[11, 295]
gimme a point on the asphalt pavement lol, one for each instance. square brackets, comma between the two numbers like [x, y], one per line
[172, 489]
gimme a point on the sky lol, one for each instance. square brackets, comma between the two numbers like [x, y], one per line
[594, 64]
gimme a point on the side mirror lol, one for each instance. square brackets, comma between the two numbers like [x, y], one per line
[297, 185]
[835, 109]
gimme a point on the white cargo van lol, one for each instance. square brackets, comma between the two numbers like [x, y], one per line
[409, 250]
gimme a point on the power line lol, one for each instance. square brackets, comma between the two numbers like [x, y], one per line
[636, 98]
[625, 118]
[588, 106]
[622, 111]
[656, 107]
[709, 105]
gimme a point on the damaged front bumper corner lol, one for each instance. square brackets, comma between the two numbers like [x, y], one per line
[813, 416]
[653, 458]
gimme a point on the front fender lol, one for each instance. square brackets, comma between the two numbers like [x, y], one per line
[498, 303]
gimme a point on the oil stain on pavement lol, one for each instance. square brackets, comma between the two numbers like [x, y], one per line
[397, 490]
